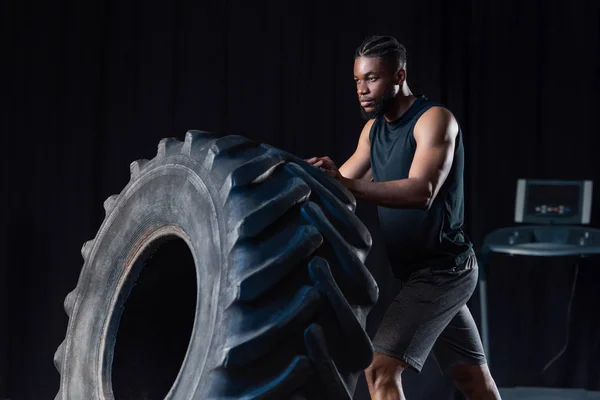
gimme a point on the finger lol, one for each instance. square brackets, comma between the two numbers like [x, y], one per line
[328, 163]
[318, 163]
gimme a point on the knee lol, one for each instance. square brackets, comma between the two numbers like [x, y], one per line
[384, 371]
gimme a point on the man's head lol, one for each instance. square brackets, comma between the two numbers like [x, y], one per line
[379, 73]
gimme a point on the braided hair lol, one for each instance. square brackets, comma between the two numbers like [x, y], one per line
[385, 47]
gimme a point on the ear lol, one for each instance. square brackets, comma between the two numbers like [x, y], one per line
[400, 76]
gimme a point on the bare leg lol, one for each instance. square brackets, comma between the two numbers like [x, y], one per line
[383, 378]
[475, 381]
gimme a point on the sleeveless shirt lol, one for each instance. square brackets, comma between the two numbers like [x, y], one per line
[416, 239]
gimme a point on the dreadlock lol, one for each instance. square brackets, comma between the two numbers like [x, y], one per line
[385, 47]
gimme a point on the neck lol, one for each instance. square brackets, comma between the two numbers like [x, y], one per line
[402, 102]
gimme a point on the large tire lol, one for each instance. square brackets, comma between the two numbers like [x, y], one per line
[282, 289]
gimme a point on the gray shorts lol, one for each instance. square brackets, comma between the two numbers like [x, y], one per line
[430, 313]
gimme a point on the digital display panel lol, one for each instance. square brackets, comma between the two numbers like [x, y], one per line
[553, 201]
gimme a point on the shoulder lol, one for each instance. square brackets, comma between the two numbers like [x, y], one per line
[366, 131]
[437, 121]
[437, 114]
[369, 124]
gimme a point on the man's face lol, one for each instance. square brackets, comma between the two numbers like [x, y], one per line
[376, 85]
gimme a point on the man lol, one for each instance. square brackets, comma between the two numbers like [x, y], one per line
[409, 162]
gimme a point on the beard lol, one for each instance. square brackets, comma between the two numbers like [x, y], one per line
[381, 106]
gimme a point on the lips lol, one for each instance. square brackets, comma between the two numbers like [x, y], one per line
[366, 103]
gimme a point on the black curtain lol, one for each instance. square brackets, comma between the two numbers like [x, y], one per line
[88, 87]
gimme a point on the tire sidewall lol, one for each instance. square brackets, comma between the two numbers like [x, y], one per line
[174, 197]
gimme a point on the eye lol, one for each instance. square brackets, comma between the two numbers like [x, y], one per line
[372, 79]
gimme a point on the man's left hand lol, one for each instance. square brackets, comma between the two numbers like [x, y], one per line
[326, 165]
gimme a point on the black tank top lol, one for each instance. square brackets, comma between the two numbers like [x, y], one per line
[417, 239]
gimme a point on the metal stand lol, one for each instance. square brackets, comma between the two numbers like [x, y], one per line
[534, 241]
[484, 312]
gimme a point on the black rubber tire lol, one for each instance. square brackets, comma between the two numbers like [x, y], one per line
[283, 292]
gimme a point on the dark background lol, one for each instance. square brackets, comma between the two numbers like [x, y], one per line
[88, 87]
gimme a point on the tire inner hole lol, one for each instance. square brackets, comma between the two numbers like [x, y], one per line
[157, 322]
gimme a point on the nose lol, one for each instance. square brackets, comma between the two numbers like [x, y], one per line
[362, 88]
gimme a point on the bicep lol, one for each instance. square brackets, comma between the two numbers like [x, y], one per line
[358, 165]
[434, 155]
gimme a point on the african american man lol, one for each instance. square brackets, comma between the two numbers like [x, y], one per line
[409, 162]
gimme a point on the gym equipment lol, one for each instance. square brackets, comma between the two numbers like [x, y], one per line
[278, 295]
[551, 207]
[535, 393]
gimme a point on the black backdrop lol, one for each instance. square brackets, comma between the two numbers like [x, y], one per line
[90, 86]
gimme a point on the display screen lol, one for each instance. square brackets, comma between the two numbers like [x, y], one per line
[541, 201]
[554, 201]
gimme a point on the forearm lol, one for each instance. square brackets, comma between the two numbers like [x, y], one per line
[405, 193]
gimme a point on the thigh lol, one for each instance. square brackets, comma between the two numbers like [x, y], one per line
[459, 343]
[424, 307]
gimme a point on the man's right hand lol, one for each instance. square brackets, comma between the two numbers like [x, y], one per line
[312, 160]
[326, 165]
[358, 166]
[316, 161]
